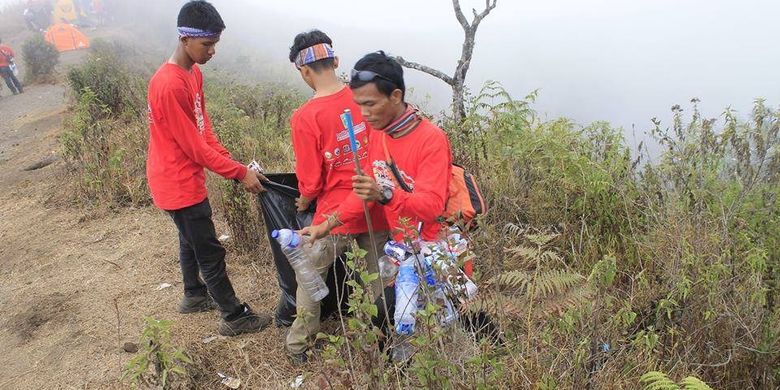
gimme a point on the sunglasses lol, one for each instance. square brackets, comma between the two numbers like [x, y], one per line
[367, 75]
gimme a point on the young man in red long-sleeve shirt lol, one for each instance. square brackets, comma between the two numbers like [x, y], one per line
[417, 149]
[181, 144]
[324, 165]
[6, 58]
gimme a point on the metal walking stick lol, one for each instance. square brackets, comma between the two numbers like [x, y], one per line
[347, 119]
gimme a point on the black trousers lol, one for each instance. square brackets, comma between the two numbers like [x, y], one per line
[10, 80]
[201, 253]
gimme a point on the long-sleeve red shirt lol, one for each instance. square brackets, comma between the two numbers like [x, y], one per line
[324, 162]
[181, 140]
[6, 53]
[424, 159]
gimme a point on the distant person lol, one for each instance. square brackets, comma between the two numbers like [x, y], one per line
[324, 165]
[40, 13]
[181, 144]
[6, 59]
[37, 15]
[31, 19]
[415, 186]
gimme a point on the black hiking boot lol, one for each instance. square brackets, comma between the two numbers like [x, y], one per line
[197, 304]
[246, 322]
[298, 359]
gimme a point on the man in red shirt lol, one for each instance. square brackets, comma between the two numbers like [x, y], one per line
[6, 59]
[181, 144]
[324, 165]
[405, 142]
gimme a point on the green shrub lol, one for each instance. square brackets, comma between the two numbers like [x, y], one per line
[159, 362]
[107, 156]
[105, 140]
[252, 123]
[690, 243]
[40, 59]
[106, 75]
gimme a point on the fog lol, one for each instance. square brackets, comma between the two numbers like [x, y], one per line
[615, 60]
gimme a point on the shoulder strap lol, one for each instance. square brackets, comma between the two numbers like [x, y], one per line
[391, 164]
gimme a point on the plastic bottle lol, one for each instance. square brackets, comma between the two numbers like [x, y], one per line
[388, 267]
[396, 250]
[430, 274]
[446, 259]
[406, 297]
[308, 277]
[448, 313]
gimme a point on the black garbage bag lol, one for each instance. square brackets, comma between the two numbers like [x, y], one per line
[280, 212]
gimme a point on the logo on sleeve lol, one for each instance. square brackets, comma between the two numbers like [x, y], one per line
[199, 114]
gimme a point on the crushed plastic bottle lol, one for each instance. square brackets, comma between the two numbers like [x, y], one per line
[396, 250]
[388, 267]
[308, 277]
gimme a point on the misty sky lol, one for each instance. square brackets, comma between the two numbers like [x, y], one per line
[616, 60]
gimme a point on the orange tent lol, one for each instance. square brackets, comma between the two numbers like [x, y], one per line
[66, 37]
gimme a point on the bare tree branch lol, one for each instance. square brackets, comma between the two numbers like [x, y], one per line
[459, 14]
[426, 69]
[478, 17]
[458, 80]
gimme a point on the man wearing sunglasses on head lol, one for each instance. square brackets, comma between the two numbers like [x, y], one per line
[410, 157]
[324, 165]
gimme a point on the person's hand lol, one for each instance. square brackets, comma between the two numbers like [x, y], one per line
[366, 188]
[302, 203]
[315, 232]
[251, 181]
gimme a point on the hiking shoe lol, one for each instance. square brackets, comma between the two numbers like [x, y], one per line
[298, 359]
[197, 304]
[247, 322]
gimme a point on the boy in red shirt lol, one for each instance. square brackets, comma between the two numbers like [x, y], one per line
[181, 144]
[6, 57]
[405, 142]
[324, 165]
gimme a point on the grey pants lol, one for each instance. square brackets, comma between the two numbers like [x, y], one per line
[307, 320]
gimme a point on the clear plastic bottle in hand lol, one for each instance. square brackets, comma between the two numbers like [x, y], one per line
[300, 260]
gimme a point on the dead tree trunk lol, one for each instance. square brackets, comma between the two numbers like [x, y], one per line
[458, 80]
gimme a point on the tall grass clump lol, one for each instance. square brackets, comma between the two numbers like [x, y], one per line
[253, 124]
[665, 264]
[40, 59]
[105, 138]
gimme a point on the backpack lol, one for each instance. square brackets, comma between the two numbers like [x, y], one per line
[465, 201]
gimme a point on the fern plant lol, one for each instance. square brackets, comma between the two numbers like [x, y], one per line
[655, 380]
[532, 290]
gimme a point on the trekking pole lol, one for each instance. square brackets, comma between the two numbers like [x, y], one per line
[347, 119]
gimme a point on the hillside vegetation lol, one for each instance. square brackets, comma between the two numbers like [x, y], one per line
[597, 265]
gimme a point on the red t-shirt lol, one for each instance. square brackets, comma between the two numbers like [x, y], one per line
[6, 53]
[181, 141]
[324, 162]
[424, 160]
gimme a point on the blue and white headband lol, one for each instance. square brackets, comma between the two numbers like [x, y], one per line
[192, 32]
